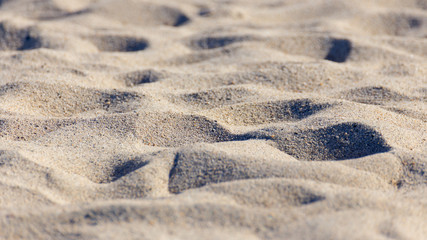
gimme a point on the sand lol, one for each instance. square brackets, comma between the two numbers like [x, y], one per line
[225, 119]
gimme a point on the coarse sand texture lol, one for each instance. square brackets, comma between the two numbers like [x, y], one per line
[222, 119]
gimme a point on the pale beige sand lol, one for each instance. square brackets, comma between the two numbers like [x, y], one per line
[226, 119]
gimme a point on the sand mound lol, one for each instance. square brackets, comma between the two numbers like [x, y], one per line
[240, 119]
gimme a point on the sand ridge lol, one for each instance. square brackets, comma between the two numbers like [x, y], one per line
[237, 119]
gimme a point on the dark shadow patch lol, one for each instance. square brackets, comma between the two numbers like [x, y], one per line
[300, 109]
[310, 199]
[216, 42]
[339, 51]
[125, 168]
[169, 16]
[140, 77]
[3, 2]
[10, 87]
[120, 43]
[414, 23]
[338, 142]
[181, 20]
[12, 38]
[30, 42]
[174, 170]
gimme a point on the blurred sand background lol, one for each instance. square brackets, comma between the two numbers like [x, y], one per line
[222, 119]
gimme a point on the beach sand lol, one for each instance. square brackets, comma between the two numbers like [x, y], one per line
[225, 119]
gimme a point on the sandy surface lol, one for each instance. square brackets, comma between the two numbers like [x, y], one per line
[226, 119]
